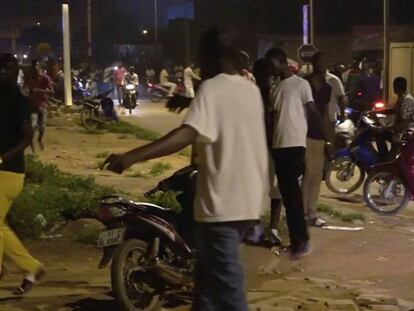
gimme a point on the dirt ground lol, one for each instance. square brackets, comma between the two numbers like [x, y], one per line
[378, 259]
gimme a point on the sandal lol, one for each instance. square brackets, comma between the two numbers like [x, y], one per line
[29, 281]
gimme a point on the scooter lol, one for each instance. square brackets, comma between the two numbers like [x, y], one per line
[347, 171]
[157, 92]
[151, 247]
[130, 97]
[390, 186]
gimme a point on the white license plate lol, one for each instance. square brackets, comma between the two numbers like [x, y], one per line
[111, 237]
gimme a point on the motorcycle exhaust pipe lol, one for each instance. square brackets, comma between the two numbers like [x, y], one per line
[170, 274]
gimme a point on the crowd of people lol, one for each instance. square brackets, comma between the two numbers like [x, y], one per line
[261, 137]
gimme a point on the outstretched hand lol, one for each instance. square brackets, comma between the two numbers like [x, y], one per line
[116, 163]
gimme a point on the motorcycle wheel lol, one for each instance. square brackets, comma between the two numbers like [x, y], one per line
[341, 178]
[88, 119]
[131, 284]
[155, 96]
[385, 194]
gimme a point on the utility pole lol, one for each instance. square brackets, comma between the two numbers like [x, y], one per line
[66, 55]
[312, 23]
[156, 20]
[386, 51]
[89, 28]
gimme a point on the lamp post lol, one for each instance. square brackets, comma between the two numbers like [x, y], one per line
[386, 51]
[89, 28]
[66, 55]
[312, 24]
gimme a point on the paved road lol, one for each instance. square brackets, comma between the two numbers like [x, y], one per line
[154, 116]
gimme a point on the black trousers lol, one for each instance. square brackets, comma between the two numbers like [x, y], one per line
[290, 166]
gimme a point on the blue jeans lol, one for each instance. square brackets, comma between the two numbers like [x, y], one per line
[219, 282]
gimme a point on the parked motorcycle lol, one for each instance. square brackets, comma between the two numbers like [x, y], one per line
[97, 110]
[150, 246]
[347, 171]
[390, 186]
[157, 92]
[130, 97]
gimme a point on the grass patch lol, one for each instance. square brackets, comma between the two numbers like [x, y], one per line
[88, 236]
[349, 217]
[102, 155]
[166, 200]
[55, 195]
[159, 168]
[186, 152]
[123, 127]
[137, 175]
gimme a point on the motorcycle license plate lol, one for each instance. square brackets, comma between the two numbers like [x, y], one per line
[111, 237]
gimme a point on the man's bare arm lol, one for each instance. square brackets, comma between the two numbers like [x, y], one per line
[166, 145]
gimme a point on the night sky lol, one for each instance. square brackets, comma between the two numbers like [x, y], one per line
[275, 15]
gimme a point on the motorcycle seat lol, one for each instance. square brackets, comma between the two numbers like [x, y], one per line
[158, 211]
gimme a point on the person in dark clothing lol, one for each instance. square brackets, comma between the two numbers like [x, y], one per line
[316, 140]
[263, 75]
[371, 89]
[15, 136]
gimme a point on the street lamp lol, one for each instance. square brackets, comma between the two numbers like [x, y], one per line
[145, 32]
[25, 56]
[38, 23]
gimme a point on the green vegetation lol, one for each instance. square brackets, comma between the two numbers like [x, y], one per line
[89, 236]
[123, 127]
[186, 152]
[54, 195]
[350, 217]
[166, 200]
[137, 175]
[159, 168]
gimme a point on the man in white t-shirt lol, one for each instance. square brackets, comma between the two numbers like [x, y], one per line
[336, 104]
[165, 82]
[291, 99]
[189, 75]
[226, 121]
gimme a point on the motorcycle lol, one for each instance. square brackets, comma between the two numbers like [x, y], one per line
[390, 186]
[97, 110]
[151, 247]
[346, 173]
[157, 92]
[130, 97]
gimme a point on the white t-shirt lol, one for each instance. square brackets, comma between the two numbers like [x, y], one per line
[337, 91]
[233, 161]
[164, 76]
[289, 100]
[189, 75]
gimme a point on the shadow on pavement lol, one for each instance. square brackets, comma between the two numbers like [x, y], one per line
[92, 304]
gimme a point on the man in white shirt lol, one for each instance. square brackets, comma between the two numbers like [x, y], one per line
[165, 82]
[336, 104]
[189, 75]
[291, 99]
[226, 121]
[131, 77]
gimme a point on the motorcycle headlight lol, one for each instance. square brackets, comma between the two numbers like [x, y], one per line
[130, 87]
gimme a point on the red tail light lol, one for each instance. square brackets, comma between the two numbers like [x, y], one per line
[150, 85]
[104, 213]
[379, 106]
[359, 94]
